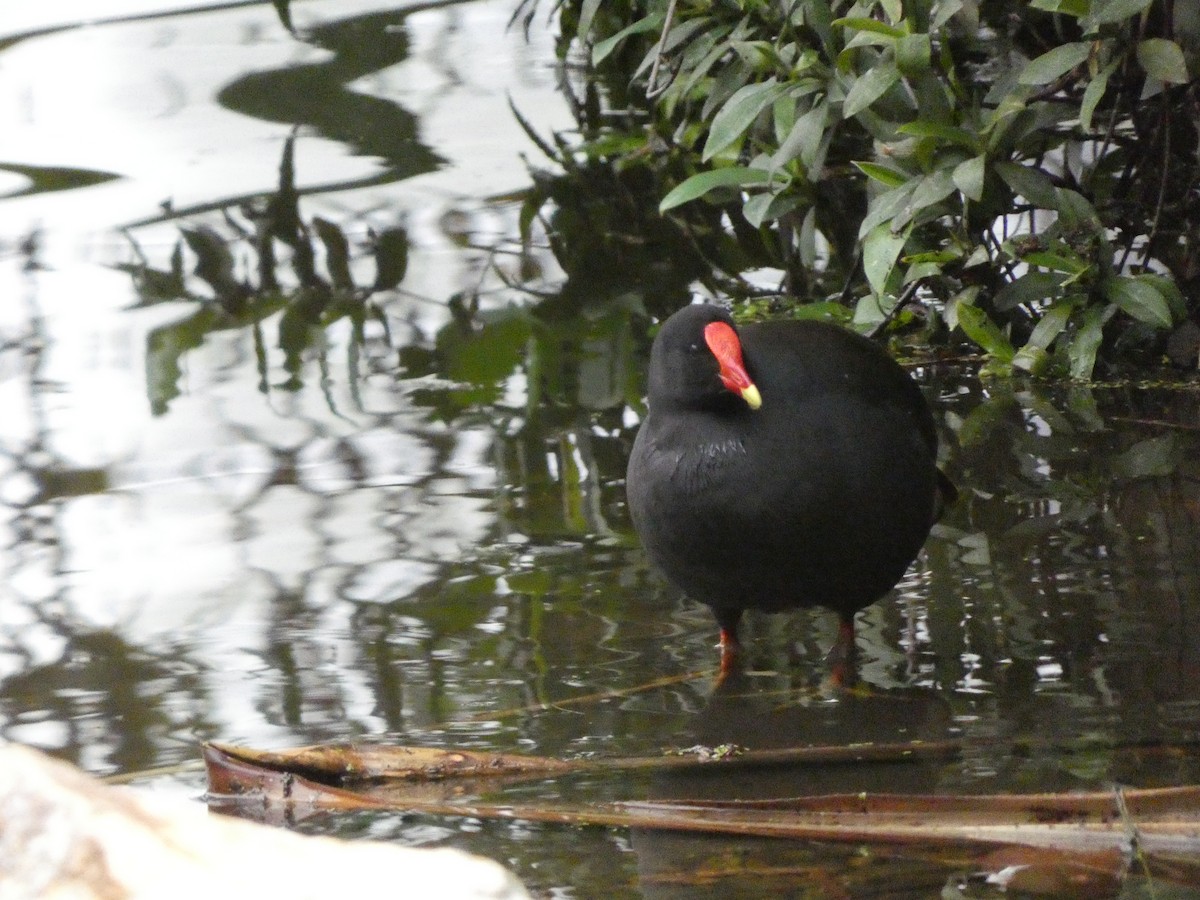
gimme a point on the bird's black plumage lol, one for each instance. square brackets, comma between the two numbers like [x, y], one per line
[823, 496]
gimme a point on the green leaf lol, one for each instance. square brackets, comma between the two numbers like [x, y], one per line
[1058, 261]
[1067, 7]
[601, 51]
[886, 206]
[913, 54]
[933, 188]
[873, 309]
[804, 140]
[807, 240]
[1170, 292]
[696, 68]
[704, 182]
[947, 134]
[755, 209]
[1031, 183]
[818, 15]
[1030, 288]
[730, 78]
[1055, 63]
[1074, 210]
[980, 256]
[968, 177]
[738, 113]
[883, 174]
[937, 257]
[769, 207]
[983, 331]
[679, 34]
[863, 23]
[921, 270]
[1105, 12]
[881, 249]
[1086, 343]
[783, 118]
[946, 10]
[761, 56]
[1139, 299]
[965, 297]
[587, 13]
[1093, 93]
[1033, 357]
[1163, 59]
[1050, 326]
[869, 87]
[683, 31]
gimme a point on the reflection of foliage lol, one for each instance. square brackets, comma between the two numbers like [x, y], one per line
[878, 149]
[603, 227]
[283, 8]
[1047, 468]
[320, 98]
[554, 385]
[124, 718]
[1063, 512]
[1063, 596]
[568, 360]
[309, 304]
[43, 179]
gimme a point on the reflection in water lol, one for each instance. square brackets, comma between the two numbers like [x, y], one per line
[1065, 586]
[767, 713]
[405, 520]
[321, 95]
[39, 179]
[311, 302]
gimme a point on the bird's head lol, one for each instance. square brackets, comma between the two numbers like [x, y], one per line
[697, 361]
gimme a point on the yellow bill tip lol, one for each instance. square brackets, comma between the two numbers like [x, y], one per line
[752, 397]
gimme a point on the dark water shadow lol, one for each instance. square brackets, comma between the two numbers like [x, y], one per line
[749, 712]
[317, 96]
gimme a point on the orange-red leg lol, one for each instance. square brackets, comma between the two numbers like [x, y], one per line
[731, 653]
[731, 647]
[842, 663]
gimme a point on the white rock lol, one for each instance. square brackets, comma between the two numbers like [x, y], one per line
[66, 836]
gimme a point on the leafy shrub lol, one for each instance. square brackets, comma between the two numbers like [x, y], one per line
[1025, 170]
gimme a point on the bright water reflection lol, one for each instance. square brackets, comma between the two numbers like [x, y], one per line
[187, 529]
[411, 525]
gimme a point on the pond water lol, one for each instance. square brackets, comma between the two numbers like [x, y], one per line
[402, 518]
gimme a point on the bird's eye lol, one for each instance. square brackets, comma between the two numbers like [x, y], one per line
[693, 348]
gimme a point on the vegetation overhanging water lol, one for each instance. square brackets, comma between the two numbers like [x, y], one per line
[321, 450]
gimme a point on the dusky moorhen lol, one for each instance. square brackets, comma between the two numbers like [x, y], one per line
[782, 464]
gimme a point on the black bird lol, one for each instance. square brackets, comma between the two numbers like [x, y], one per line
[782, 464]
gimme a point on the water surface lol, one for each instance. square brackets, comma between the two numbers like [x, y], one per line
[404, 521]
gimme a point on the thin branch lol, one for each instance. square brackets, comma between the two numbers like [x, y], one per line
[1157, 423]
[1165, 128]
[906, 296]
[587, 699]
[653, 89]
